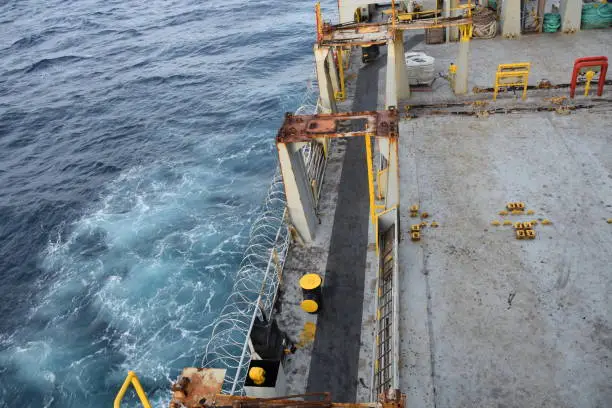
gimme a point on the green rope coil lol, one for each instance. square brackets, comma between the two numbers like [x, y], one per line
[552, 22]
[596, 15]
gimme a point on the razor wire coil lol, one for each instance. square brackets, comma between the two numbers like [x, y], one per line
[256, 285]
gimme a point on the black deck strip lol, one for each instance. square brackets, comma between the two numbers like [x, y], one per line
[335, 357]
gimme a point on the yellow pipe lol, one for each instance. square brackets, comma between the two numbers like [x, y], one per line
[340, 95]
[589, 78]
[133, 380]
[370, 176]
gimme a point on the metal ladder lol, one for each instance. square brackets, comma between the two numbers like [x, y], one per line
[383, 363]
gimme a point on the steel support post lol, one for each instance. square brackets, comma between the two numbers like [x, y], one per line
[326, 90]
[397, 85]
[298, 192]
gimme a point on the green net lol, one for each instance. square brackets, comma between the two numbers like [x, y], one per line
[552, 22]
[596, 15]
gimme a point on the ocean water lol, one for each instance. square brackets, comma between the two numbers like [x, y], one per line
[136, 145]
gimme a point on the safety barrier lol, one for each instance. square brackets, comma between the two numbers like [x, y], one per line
[512, 75]
[131, 379]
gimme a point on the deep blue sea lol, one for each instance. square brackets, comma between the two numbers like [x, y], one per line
[136, 145]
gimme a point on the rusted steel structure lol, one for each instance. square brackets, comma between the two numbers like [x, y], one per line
[297, 130]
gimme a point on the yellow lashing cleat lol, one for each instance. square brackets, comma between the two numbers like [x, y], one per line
[495, 223]
[507, 222]
[424, 214]
[609, 220]
[434, 224]
[423, 224]
[503, 213]
[415, 227]
[520, 234]
[415, 236]
[546, 221]
[520, 205]
[518, 226]
[414, 208]
[527, 225]
[530, 212]
[511, 206]
[530, 234]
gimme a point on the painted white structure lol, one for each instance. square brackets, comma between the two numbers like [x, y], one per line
[300, 200]
[511, 18]
[463, 67]
[325, 72]
[397, 85]
[346, 8]
[571, 13]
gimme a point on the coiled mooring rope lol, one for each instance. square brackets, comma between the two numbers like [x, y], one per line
[485, 23]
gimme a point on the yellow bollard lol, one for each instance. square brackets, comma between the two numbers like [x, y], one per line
[257, 375]
[589, 78]
[452, 73]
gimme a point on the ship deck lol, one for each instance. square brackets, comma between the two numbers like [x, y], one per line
[485, 319]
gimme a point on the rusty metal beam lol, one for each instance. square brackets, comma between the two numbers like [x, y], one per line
[365, 34]
[303, 128]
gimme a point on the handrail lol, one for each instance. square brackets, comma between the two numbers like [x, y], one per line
[132, 379]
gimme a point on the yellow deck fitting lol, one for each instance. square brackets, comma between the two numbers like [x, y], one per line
[609, 221]
[546, 221]
[414, 208]
[517, 212]
[424, 214]
[520, 206]
[310, 281]
[530, 212]
[518, 226]
[414, 214]
[531, 234]
[503, 213]
[534, 223]
[511, 206]
[309, 306]
[520, 234]
[507, 222]
[434, 224]
[416, 236]
[527, 225]
[495, 223]
[423, 224]
[415, 227]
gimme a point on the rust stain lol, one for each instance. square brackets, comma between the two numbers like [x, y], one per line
[303, 128]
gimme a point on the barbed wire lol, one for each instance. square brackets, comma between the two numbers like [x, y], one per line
[258, 278]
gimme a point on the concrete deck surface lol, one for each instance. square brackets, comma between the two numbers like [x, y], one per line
[488, 320]
[551, 56]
